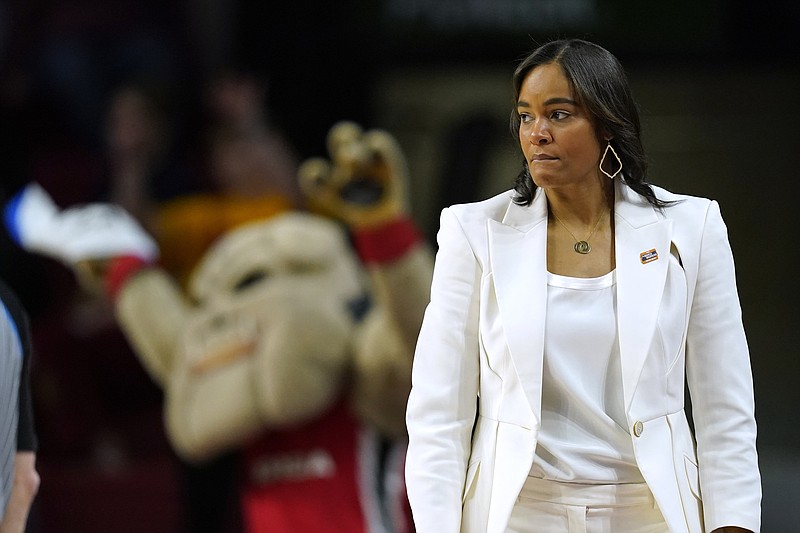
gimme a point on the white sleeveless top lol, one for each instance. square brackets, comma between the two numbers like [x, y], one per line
[583, 436]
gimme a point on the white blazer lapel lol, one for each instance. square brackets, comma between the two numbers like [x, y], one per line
[642, 256]
[518, 255]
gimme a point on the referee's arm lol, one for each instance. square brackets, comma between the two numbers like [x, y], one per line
[26, 478]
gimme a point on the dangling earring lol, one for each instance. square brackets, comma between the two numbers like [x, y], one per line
[603, 160]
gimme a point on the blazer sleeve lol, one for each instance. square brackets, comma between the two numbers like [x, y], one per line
[443, 401]
[721, 387]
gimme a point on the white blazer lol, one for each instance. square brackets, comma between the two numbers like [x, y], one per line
[474, 409]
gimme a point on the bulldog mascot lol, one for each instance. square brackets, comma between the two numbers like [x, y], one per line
[293, 342]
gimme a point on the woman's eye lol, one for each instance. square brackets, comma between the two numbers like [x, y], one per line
[525, 119]
[559, 115]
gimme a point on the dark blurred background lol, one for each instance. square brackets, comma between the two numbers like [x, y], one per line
[719, 87]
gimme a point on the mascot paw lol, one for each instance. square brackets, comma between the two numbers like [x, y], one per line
[88, 232]
[364, 181]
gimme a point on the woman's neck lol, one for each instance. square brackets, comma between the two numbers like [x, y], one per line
[582, 205]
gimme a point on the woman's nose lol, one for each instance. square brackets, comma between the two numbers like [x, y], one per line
[540, 133]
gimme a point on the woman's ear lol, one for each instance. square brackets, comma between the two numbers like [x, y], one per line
[603, 135]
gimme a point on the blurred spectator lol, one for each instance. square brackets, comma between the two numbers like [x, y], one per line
[99, 412]
[241, 128]
[250, 174]
[84, 48]
[146, 163]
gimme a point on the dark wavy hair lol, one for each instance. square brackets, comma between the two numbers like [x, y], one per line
[599, 83]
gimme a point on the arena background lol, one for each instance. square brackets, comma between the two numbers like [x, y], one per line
[718, 84]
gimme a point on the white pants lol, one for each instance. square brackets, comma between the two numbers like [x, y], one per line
[554, 507]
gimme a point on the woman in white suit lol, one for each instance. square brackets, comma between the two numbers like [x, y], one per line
[565, 318]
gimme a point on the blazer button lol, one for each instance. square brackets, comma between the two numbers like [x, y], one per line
[638, 428]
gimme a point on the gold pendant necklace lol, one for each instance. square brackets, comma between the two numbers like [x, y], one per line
[581, 246]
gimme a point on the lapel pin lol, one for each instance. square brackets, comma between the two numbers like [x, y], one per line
[648, 256]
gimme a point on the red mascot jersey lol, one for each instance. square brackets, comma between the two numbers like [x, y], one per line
[330, 475]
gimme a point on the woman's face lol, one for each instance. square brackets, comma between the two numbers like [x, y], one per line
[556, 133]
